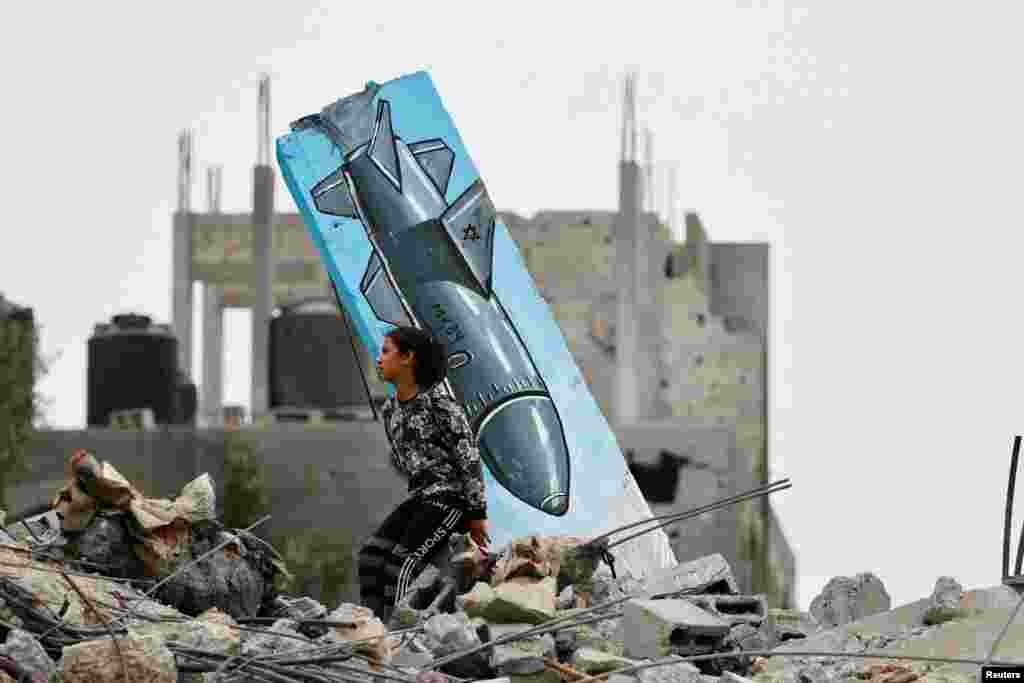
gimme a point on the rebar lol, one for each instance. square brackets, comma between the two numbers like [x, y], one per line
[194, 562]
[756, 493]
[698, 510]
[772, 653]
[546, 627]
[1009, 507]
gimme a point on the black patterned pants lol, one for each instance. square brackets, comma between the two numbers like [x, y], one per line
[394, 556]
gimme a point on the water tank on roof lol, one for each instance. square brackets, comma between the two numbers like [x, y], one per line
[187, 397]
[132, 364]
[312, 366]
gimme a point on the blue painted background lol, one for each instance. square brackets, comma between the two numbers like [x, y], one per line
[598, 468]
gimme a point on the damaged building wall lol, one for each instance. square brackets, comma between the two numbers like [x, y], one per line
[707, 466]
[702, 359]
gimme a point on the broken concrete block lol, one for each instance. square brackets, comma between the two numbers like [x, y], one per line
[790, 624]
[710, 574]
[412, 660]
[522, 657]
[546, 676]
[734, 609]
[813, 673]
[22, 647]
[947, 592]
[501, 630]
[846, 599]
[301, 608]
[527, 601]
[622, 678]
[475, 602]
[683, 672]
[832, 640]
[450, 633]
[212, 631]
[730, 677]
[586, 636]
[360, 625]
[97, 661]
[746, 637]
[655, 628]
[995, 597]
[593, 661]
[281, 637]
[567, 598]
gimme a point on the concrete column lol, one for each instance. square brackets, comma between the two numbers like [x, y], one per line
[626, 342]
[263, 273]
[213, 355]
[181, 292]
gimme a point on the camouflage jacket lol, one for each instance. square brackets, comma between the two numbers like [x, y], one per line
[433, 445]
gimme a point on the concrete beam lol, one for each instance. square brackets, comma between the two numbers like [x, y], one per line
[263, 260]
[181, 289]
[213, 356]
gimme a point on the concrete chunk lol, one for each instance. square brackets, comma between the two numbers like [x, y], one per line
[412, 660]
[593, 661]
[526, 601]
[97, 661]
[730, 677]
[847, 599]
[790, 624]
[947, 592]
[655, 628]
[734, 609]
[746, 637]
[683, 672]
[523, 657]
[475, 602]
[710, 574]
[23, 648]
[546, 676]
[502, 630]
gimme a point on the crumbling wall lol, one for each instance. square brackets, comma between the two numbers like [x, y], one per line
[18, 401]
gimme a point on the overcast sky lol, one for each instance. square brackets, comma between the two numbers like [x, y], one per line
[875, 145]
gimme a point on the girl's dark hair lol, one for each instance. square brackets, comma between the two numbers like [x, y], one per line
[431, 359]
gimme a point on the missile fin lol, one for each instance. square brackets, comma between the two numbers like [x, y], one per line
[382, 146]
[437, 159]
[379, 293]
[331, 196]
[469, 222]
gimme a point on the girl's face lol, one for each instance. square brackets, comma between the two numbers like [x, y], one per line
[392, 363]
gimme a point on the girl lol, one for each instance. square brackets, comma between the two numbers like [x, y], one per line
[433, 445]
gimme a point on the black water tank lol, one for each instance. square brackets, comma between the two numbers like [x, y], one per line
[312, 365]
[187, 397]
[133, 364]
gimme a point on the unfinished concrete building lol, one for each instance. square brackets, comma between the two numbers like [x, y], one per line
[671, 338]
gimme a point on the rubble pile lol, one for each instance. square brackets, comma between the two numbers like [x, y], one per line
[126, 588]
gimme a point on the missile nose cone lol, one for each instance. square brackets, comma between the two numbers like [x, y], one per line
[556, 504]
[523, 445]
